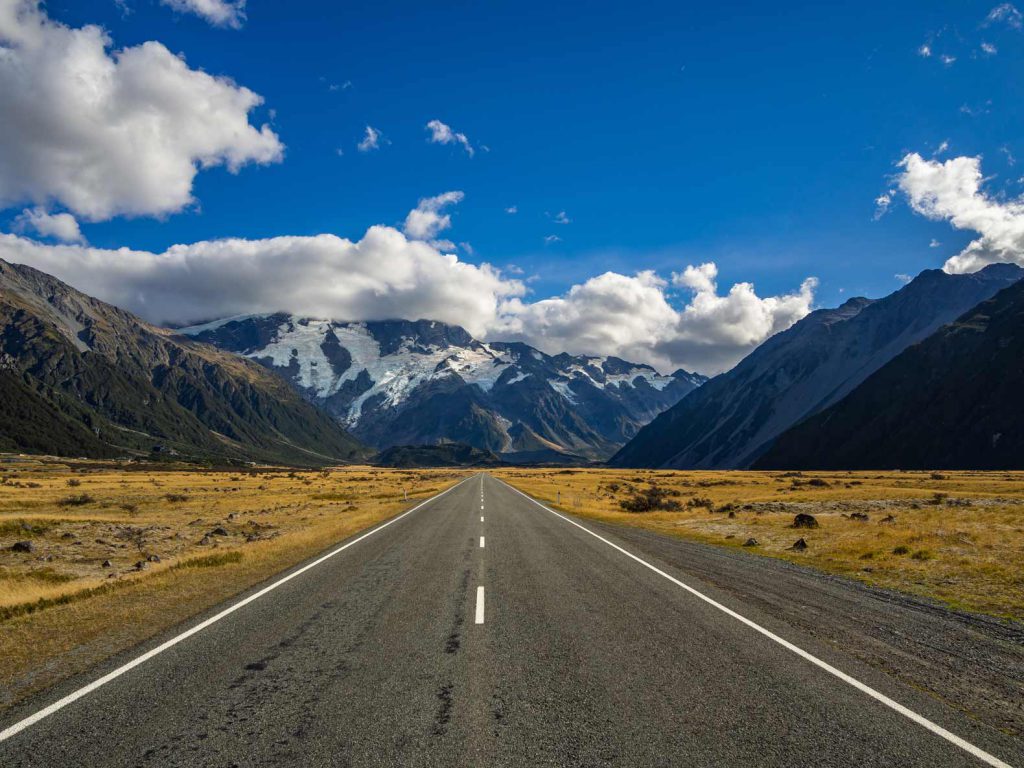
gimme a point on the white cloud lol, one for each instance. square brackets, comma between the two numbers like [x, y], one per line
[388, 275]
[934, 243]
[631, 317]
[560, 218]
[1005, 13]
[925, 51]
[112, 132]
[952, 191]
[903, 278]
[882, 203]
[552, 239]
[427, 219]
[220, 13]
[947, 59]
[988, 49]
[383, 275]
[60, 226]
[370, 141]
[443, 134]
[512, 209]
[941, 149]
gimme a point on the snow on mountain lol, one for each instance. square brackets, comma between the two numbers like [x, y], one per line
[396, 382]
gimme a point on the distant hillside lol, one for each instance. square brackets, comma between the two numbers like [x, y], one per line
[730, 421]
[398, 382]
[446, 455]
[953, 401]
[80, 377]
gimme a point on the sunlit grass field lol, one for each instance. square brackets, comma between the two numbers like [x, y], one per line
[119, 553]
[957, 537]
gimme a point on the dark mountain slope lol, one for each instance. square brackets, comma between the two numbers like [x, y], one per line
[80, 377]
[445, 455]
[952, 401]
[731, 420]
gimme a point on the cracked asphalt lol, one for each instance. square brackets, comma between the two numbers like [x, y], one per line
[375, 657]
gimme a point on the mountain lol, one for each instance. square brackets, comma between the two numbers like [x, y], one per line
[730, 421]
[399, 382]
[442, 455]
[80, 377]
[952, 401]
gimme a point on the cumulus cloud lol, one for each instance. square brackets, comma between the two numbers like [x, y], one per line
[220, 13]
[925, 51]
[428, 218]
[560, 218]
[952, 191]
[105, 132]
[383, 275]
[388, 275]
[443, 134]
[370, 140]
[60, 226]
[632, 317]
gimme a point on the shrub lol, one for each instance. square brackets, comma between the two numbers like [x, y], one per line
[901, 550]
[77, 500]
[74, 482]
[922, 554]
[176, 498]
[651, 499]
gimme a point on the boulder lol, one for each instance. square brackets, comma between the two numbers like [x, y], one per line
[804, 520]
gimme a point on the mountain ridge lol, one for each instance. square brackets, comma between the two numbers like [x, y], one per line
[950, 401]
[733, 418]
[83, 376]
[402, 382]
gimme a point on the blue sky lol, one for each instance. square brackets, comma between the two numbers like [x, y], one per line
[754, 135]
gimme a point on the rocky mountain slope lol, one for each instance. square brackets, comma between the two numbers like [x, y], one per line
[80, 377]
[730, 421]
[952, 401]
[405, 383]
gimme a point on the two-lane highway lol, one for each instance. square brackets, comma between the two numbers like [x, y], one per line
[482, 628]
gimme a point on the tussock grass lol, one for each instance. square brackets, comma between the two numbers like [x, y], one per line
[81, 595]
[954, 536]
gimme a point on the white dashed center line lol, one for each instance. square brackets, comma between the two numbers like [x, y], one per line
[479, 605]
[481, 542]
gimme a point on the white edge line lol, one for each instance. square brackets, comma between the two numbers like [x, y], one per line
[480, 605]
[938, 730]
[85, 690]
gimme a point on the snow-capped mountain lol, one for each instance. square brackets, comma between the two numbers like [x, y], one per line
[398, 382]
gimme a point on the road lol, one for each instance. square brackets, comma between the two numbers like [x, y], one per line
[482, 629]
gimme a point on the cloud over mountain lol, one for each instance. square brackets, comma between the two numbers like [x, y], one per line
[387, 275]
[104, 132]
[952, 191]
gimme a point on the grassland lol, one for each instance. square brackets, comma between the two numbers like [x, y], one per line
[118, 552]
[957, 537]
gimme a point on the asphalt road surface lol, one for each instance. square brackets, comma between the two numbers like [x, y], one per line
[482, 629]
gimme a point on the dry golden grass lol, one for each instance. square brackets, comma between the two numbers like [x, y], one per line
[62, 610]
[956, 536]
